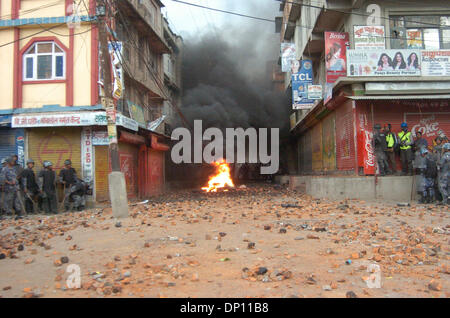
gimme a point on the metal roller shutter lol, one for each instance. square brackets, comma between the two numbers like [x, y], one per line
[329, 143]
[156, 166]
[7, 142]
[128, 156]
[56, 145]
[316, 146]
[101, 173]
[345, 143]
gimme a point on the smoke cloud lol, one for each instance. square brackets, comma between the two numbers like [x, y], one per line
[225, 78]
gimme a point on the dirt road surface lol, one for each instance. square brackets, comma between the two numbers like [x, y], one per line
[259, 241]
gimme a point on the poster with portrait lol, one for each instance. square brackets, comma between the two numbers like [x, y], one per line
[300, 82]
[384, 63]
[288, 56]
[336, 46]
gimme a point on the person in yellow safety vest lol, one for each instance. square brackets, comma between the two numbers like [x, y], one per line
[391, 140]
[406, 141]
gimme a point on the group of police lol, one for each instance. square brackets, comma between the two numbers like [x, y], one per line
[23, 192]
[432, 163]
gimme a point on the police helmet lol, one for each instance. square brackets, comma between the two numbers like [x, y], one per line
[404, 125]
[9, 160]
[423, 151]
[30, 161]
[377, 126]
[47, 164]
[67, 162]
[446, 146]
[3, 160]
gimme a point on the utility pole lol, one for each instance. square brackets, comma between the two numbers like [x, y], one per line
[116, 179]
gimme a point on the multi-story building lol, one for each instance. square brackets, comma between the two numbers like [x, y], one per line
[172, 74]
[334, 136]
[50, 101]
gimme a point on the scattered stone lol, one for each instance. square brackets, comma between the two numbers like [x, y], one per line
[261, 271]
[251, 245]
[436, 286]
[283, 231]
[326, 287]
[267, 227]
[118, 224]
[351, 294]
[64, 260]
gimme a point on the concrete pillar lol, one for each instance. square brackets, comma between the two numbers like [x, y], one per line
[118, 194]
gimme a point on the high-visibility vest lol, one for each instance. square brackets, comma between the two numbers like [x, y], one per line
[406, 139]
[390, 140]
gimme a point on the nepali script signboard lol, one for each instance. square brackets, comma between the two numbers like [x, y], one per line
[436, 63]
[56, 120]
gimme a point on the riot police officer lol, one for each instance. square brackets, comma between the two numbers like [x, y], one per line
[68, 177]
[444, 173]
[47, 188]
[11, 188]
[428, 174]
[30, 187]
[380, 146]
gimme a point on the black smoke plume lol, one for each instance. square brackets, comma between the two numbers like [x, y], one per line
[225, 78]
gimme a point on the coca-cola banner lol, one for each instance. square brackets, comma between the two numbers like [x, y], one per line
[365, 137]
[430, 125]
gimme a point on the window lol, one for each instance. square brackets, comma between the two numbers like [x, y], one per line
[44, 61]
[420, 32]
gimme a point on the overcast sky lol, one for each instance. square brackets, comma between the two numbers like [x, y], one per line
[189, 20]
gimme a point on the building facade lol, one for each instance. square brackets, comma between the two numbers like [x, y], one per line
[393, 62]
[50, 103]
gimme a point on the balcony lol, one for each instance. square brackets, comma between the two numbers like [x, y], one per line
[141, 17]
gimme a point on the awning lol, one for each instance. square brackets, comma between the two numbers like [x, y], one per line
[390, 97]
[5, 120]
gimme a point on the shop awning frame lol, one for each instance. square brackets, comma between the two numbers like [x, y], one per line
[395, 97]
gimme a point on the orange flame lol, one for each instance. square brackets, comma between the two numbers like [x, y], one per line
[221, 179]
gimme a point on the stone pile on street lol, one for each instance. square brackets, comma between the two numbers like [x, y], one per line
[253, 241]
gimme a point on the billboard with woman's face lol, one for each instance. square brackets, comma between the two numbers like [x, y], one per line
[384, 63]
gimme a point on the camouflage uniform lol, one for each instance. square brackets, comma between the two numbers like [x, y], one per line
[77, 193]
[11, 196]
[444, 176]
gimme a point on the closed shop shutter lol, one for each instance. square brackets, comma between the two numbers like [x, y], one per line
[56, 145]
[316, 145]
[101, 173]
[128, 157]
[156, 166]
[7, 142]
[345, 143]
[328, 143]
[307, 152]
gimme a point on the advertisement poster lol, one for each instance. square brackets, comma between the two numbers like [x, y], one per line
[414, 39]
[300, 82]
[384, 63]
[436, 63]
[87, 163]
[137, 113]
[288, 56]
[100, 138]
[336, 46]
[315, 92]
[430, 125]
[116, 52]
[369, 37]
